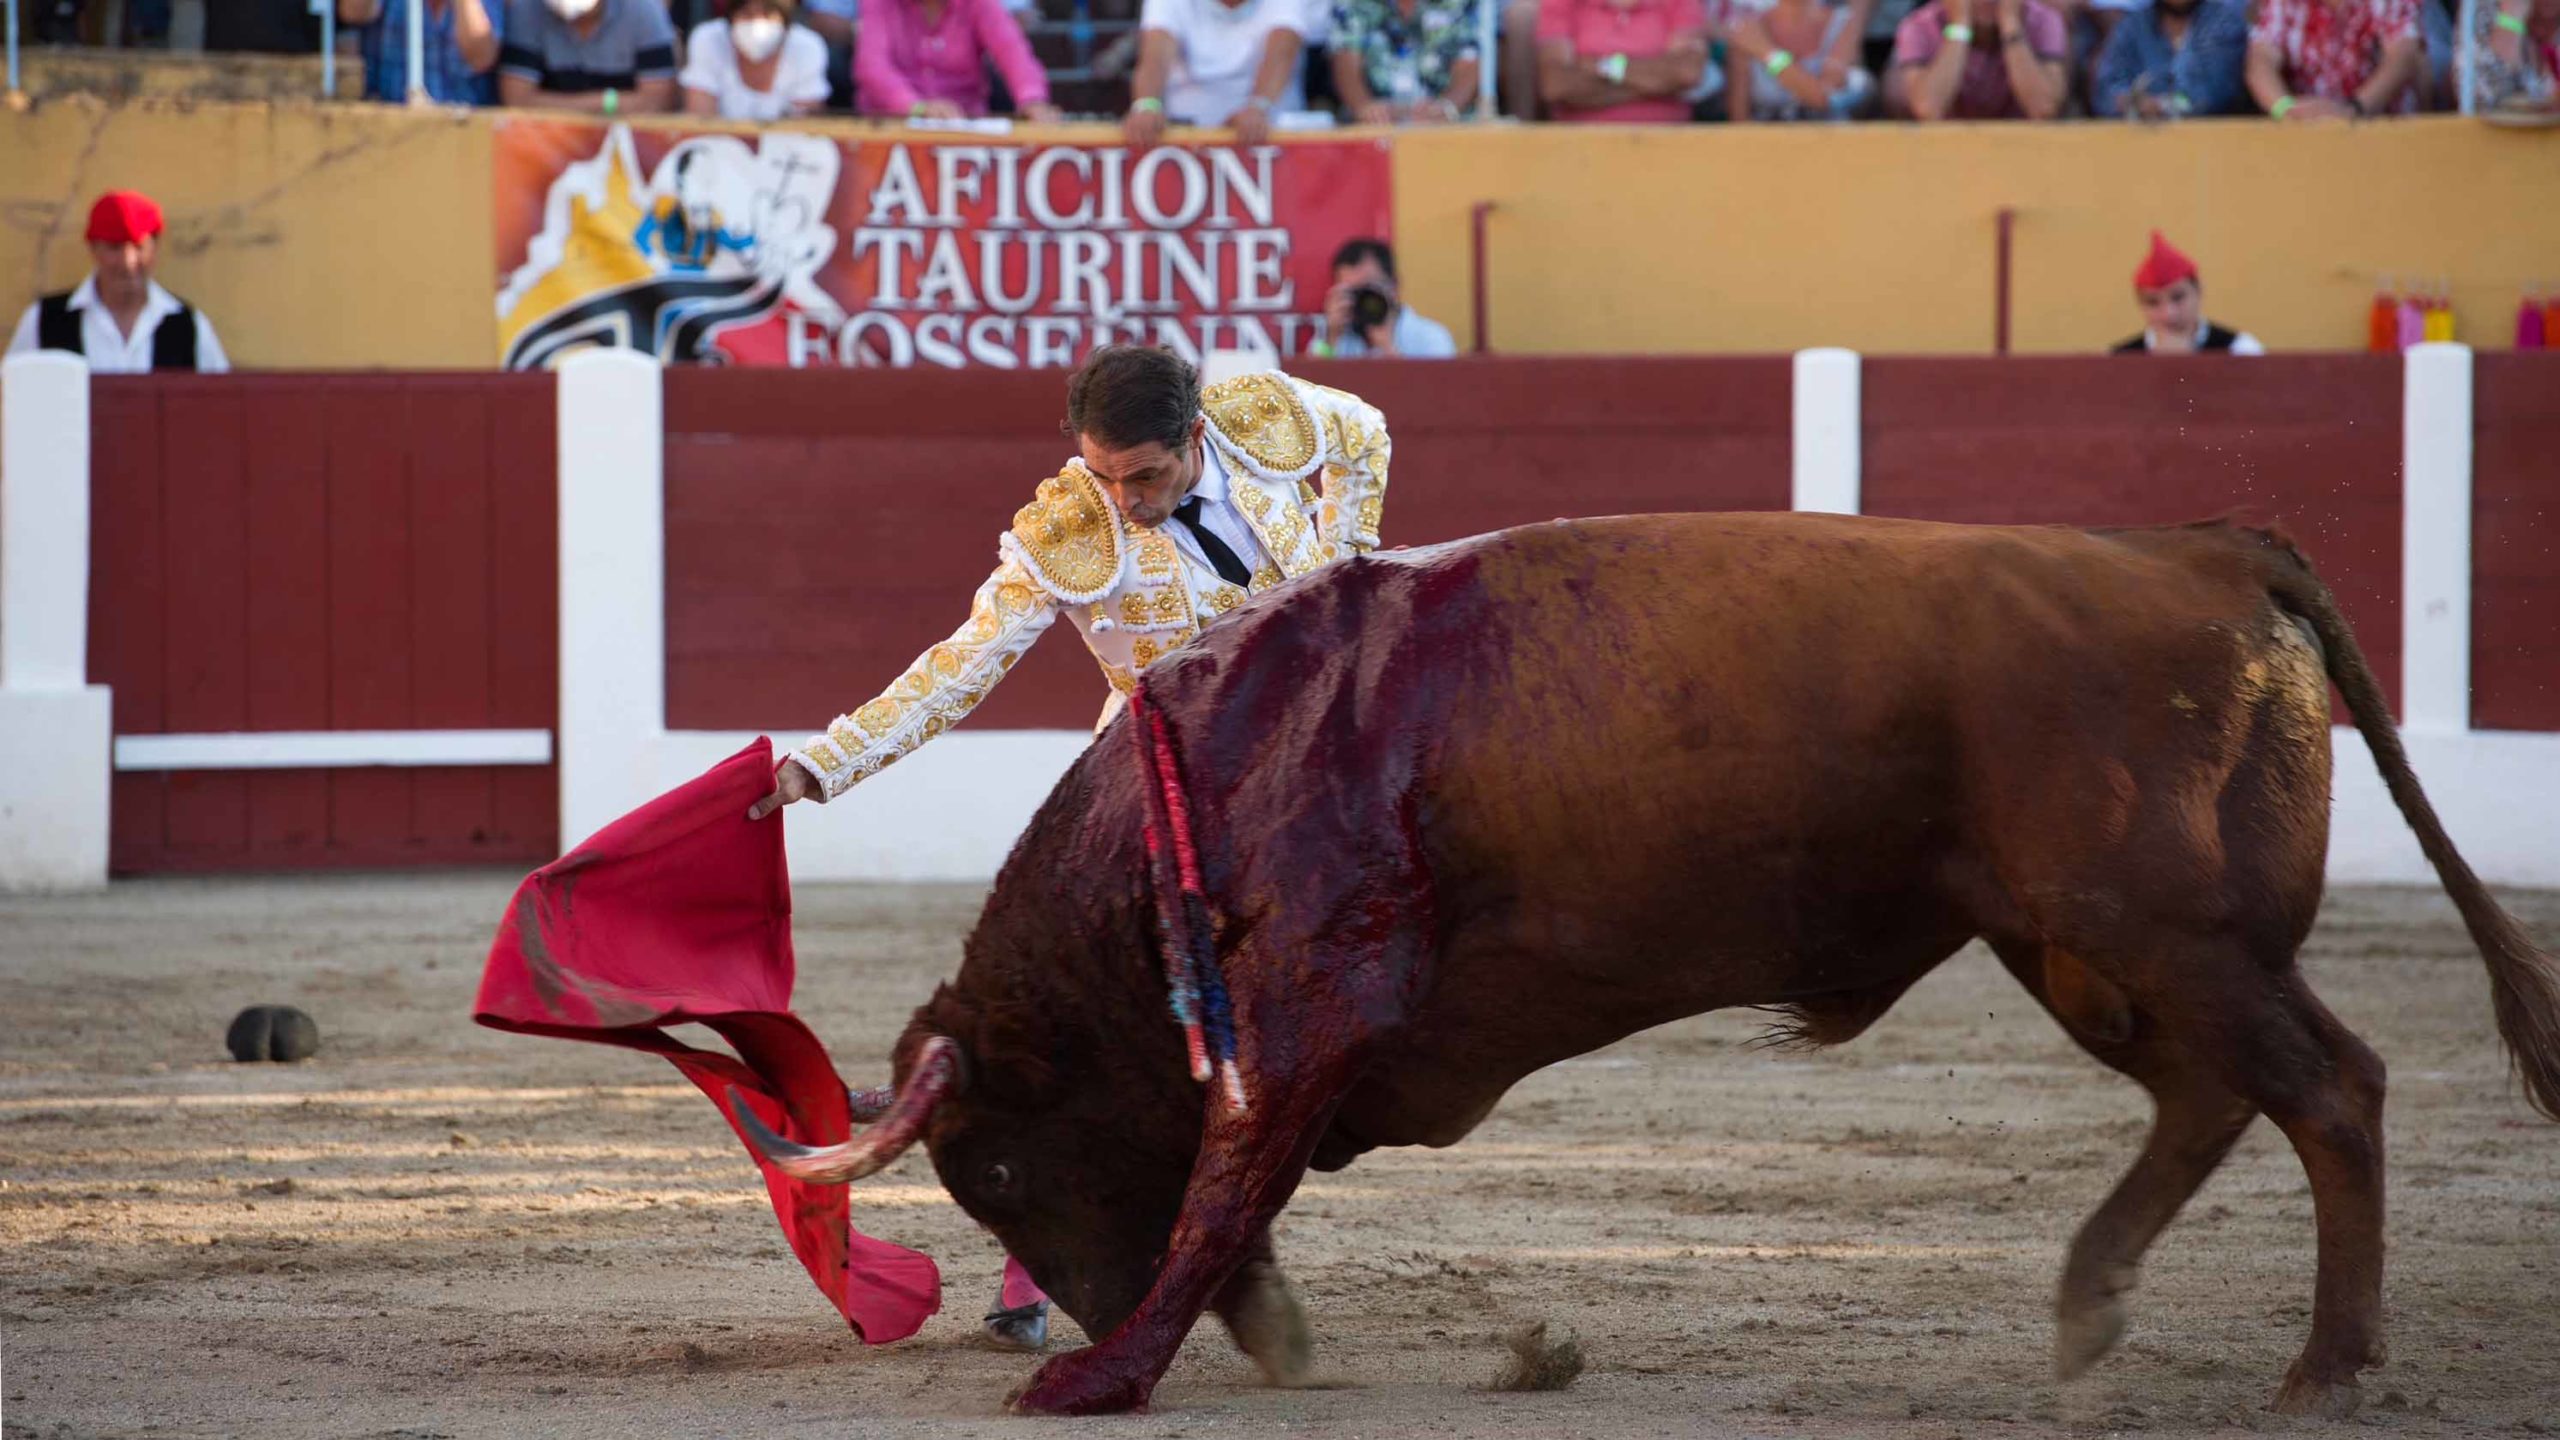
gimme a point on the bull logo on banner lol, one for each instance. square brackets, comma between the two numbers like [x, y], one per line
[723, 235]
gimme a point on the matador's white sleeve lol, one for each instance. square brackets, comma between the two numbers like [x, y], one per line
[944, 684]
[1355, 472]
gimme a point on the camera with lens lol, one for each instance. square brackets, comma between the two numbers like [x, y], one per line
[1371, 307]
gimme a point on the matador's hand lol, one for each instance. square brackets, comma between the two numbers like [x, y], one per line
[790, 782]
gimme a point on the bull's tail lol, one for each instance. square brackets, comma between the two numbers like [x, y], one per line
[2524, 984]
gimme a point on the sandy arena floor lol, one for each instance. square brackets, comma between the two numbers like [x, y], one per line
[437, 1230]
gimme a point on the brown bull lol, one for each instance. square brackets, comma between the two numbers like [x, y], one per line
[1472, 809]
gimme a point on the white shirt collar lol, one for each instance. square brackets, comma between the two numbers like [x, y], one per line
[157, 304]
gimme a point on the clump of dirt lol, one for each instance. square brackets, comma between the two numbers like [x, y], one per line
[1539, 1361]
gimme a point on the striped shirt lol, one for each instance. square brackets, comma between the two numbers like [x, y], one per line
[633, 41]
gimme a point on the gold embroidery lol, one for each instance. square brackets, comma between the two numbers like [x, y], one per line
[878, 717]
[1144, 651]
[1265, 578]
[1225, 598]
[1260, 415]
[1121, 680]
[1370, 508]
[1156, 555]
[1070, 533]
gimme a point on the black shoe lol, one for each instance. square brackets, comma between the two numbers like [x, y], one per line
[1023, 1327]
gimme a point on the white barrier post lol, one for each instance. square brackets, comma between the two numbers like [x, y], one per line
[2435, 539]
[1826, 431]
[613, 587]
[56, 729]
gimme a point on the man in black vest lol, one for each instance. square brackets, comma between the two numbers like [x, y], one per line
[2171, 295]
[120, 319]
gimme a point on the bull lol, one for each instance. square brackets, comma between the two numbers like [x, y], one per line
[1475, 808]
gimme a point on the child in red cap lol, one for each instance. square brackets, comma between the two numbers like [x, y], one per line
[119, 319]
[2171, 295]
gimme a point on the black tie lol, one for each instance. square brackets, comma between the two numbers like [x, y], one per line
[1221, 559]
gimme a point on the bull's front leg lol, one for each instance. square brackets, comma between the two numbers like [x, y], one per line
[1249, 1165]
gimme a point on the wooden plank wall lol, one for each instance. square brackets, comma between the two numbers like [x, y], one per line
[313, 552]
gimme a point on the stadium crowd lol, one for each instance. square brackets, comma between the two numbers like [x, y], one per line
[1254, 65]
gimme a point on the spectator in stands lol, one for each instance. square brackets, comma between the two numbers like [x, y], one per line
[2335, 59]
[602, 57]
[2171, 295]
[1404, 62]
[928, 59]
[119, 318]
[1620, 61]
[1980, 60]
[1220, 62]
[461, 48]
[2515, 55]
[834, 20]
[755, 65]
[1797, 60]
[2173, 58]
[1364, 316]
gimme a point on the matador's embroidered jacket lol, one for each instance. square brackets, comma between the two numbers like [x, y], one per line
[1307, 466]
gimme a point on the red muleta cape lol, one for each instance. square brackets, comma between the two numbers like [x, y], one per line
[680, 912]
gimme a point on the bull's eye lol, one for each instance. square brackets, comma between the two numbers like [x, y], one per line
[999, 1178]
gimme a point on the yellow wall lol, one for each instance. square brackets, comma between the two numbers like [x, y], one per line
[1880, 237]
[314, 236]
[358, 236]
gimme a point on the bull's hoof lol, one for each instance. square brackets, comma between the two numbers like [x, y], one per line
[2304, 1394]
[1271, 1326]
[1080, 1383]
[2082, 1336]
[1022, 1327]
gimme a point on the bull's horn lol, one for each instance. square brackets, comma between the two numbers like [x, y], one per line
[936, 1065]
[870, 1103]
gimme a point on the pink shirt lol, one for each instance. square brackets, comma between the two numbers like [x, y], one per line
[1983, 91]
[1637, 29]
[898, 62]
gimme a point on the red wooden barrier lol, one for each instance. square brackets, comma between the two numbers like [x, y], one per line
[315, 553]
[825, 526]
[2310, 441]
[2515, 542]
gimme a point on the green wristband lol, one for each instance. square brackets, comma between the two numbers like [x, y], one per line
[1958, 34]
[612, 100]
[2276, 111]
[2512, 24]
[1778, 62]
[1149, 103]
[1613, 68]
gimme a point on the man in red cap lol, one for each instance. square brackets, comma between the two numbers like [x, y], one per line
[120, 319]
[2172, 299]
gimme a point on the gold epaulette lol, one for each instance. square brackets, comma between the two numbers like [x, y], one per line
[1068, 537]
[1260, 421]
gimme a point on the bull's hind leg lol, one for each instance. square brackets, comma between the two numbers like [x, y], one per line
[2195, 1121]
[2324, 1087]
[2217, 1036]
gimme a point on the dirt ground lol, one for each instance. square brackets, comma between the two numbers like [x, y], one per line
[438, 1230]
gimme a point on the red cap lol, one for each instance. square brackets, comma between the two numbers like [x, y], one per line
[123, 217]
[2163, 267]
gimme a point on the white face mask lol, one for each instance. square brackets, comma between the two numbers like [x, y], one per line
[572, 9]
[758, 38]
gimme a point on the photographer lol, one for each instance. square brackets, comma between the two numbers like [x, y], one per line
[1363, 317]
